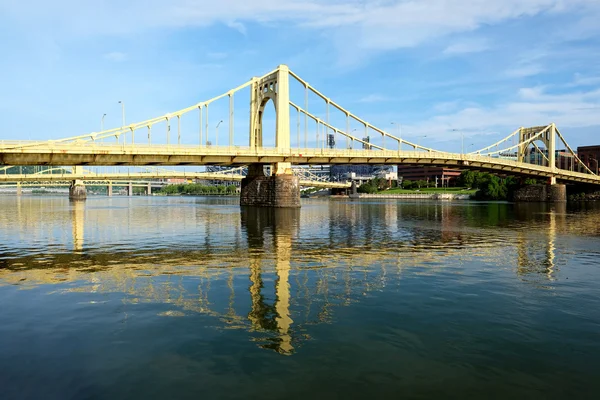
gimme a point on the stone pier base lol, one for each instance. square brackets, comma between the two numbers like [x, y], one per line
[269, 191]
[77, 191]
[109, 190]
[541, 193]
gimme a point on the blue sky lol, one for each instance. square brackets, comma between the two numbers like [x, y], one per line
[441, 68]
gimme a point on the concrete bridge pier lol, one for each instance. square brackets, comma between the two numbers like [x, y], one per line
[77, 190]
[109, 190]
[280, 190]
[149, 189]
[19, 189]
[551, 193]
[130, 189]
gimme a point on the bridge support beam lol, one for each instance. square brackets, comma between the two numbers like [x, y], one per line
[541, 193]
[280, 190]
[77, 190]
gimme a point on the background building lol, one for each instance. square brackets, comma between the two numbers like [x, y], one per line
[341, 172]
[589, 155]
[419, 173]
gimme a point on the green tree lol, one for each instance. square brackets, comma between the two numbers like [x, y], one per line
[367, 187]
[231, 189]
[467, 178]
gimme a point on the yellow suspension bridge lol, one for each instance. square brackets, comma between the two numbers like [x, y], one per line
[311, 138]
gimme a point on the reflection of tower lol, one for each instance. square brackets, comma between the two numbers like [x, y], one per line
[276, 318]
[558, 212]
[77, 218]
[535, 255]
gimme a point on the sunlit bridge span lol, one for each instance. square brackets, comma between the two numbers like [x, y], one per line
[317, 132]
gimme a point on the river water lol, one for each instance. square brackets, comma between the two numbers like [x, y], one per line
[191, 297]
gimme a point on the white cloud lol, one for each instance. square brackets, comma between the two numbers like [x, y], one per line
[116, 56]
[531, 107]
[238, 26]
[524, 71]
[582, 80]
[373, 98]
[377, 25]
[466, 47]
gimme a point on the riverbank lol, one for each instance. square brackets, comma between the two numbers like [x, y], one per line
[414, 196]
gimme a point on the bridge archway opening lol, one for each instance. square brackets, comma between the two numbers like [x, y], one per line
[536, 153]
[267, 122]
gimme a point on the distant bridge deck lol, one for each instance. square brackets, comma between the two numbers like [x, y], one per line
[117, 179]
[101, 154]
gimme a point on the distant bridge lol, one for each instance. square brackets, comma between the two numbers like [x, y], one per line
[152, 175]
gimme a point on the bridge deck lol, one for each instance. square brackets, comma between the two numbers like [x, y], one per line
[99, 154]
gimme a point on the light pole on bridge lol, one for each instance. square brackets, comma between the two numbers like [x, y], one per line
[217, 133]
[462, 140]
[420, 137]
[102, 123]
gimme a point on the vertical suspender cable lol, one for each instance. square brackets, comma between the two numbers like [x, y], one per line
[206, 125]
[231, 119]
[200, 125]
[305, 115]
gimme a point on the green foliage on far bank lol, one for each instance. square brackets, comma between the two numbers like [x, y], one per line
[375, 185]
[198, 189]
[491, 187]
[432, 190]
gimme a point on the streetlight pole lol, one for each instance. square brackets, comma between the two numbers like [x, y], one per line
[217, 129]
[102, 123]
[420, 137]
[462, 140]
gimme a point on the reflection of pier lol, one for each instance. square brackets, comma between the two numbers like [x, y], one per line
[77, 218]
[282, 224]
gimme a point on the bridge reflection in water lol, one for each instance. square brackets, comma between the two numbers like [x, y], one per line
[284, 269]
[277, 226]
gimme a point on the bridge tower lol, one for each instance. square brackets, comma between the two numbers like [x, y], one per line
[77, 188]
[282, 188]
[551, 192]
[548, 138]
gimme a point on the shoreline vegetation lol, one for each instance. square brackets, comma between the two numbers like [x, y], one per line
[479, 185]
[197, 189]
